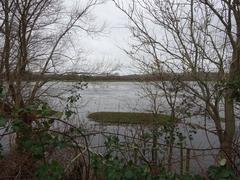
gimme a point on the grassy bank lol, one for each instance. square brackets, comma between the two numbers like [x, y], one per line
[129, 118]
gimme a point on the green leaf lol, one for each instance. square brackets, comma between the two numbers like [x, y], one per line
[223, 162]
[128, 174]
[2, 121]
[51, 171]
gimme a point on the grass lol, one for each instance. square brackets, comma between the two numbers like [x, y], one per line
[129, 118]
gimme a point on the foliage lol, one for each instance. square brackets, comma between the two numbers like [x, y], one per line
[221, 173]
[172, 133]
[235, 86]
[37, 140]
[2, 121]
[73, 98]
[50, 171]
[112, 166]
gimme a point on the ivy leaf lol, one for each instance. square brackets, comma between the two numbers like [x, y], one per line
[128, 174]
[223, 162]
[51, 171]
[2, 121]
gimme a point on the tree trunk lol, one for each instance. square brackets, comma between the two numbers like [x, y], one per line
[230, 126]
[154, 147]
[230, 122]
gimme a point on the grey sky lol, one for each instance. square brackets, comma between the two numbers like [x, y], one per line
[106, 46]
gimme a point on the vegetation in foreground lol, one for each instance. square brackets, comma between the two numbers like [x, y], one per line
[200, 36]
[110, 167]
[41, 152]
[129, 118]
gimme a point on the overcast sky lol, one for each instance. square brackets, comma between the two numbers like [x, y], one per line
[107, 46]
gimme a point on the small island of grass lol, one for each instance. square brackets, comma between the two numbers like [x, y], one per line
[129, 118]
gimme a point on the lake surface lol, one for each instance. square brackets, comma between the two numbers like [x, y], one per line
[128, 96]
[125, 97]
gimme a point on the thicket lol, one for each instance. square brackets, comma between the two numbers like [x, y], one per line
[42, 152]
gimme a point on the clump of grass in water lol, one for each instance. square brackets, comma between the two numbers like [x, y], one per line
[129, 118]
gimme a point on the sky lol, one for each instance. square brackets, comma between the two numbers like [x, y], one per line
[107, 46]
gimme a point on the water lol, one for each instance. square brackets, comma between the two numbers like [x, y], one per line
[129, 97]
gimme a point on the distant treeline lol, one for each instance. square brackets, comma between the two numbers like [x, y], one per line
[134, 77]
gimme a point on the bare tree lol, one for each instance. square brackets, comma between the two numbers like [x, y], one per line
[34, 35]
[163, 99]
[198, 38]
